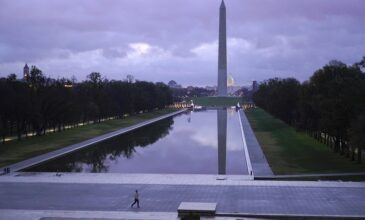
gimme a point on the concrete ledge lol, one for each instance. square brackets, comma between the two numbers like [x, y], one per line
[21, 214]
[247, 155]
[258, 161]
[309, 176]
[288, 216]
[197, 208]
[165, 179]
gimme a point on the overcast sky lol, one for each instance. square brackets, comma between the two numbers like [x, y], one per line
[159, 40]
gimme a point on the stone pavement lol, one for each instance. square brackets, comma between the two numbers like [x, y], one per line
[250, 197]
[14, 214]
[259, 163]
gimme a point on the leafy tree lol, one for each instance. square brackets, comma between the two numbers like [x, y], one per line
[36, 78]
[12, 77]
[357, 137]
[337, 95]
[41, 103]
[330, 106]
[280, 98]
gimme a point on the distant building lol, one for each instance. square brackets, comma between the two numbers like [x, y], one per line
[255, 86]
[211, 88]
[130, 78]
[233, 89]
[230, 85]
[173, 84]
[190, 88]
[243, 91]
[25, 71]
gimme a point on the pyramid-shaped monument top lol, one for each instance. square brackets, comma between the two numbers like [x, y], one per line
[223, 5]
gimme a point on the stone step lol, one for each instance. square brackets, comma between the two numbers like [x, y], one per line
[196, 208]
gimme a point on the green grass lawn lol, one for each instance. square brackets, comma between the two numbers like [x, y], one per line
[217, 101]
[15, 151]
[292, 152]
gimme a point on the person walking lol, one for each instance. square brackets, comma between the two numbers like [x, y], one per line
[136, 199]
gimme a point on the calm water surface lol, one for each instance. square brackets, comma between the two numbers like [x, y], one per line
[202, 142]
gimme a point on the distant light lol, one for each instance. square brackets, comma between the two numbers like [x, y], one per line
[68, 85]
[230, 81]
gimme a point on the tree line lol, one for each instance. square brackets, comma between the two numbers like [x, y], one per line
[330, 106]
[186, 94]
[38, 103]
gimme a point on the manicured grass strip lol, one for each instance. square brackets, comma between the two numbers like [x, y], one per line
[291, 152]
[217, 101]
[15, 151]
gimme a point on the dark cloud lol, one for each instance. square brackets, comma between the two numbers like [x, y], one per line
[114, 53]
[161, 40]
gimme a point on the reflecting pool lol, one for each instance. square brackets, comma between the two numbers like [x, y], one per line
[195, 142]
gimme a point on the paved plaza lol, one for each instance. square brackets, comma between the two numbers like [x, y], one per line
[161, 193]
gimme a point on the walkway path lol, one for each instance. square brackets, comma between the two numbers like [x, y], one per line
[259, 163]
[36, 160]
[249, 197]
[14, 214]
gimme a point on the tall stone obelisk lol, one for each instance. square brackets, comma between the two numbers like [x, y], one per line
[222, 52]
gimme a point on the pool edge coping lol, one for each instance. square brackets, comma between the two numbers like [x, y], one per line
[247, 155]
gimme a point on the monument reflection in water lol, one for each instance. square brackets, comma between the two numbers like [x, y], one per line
[222, 140]
[184, 144]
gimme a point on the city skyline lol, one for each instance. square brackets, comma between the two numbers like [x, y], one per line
[163, 40]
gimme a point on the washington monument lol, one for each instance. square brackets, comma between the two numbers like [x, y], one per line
[222, 52]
